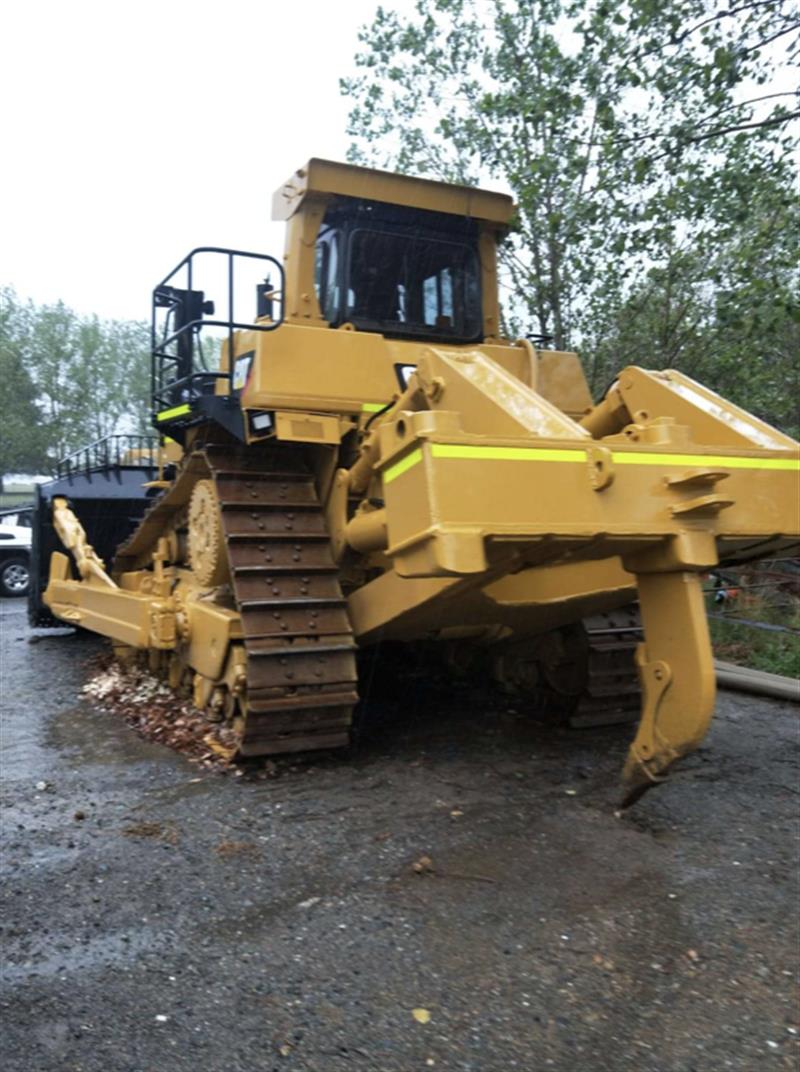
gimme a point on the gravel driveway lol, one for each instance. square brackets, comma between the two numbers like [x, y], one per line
[157, 917]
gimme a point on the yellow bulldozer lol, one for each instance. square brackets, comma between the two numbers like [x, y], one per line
[368, 459]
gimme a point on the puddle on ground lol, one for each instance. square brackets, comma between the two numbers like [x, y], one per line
[199, 784]
[92, 737]
[102, 951]
[25, 759]
[40, 851]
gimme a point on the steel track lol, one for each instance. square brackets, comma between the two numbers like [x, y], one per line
[301, 670]
[612, 693]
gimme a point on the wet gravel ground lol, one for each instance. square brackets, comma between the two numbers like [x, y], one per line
[159, 918]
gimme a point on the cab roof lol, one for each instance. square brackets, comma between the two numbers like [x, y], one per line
[327, 178]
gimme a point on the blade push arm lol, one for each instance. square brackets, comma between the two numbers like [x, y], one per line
[73, 535]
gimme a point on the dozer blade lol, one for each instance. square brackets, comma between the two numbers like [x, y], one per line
[676, 671]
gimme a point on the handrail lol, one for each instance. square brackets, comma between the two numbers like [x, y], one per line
[167, 392]
[111, 452]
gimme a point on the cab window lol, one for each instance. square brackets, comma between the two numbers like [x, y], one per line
[326, 275]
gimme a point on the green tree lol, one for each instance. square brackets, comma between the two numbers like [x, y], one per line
[637, 139]
[726, 312]
[22, 443]
[69, 379]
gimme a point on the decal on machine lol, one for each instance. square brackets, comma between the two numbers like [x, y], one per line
[241, 369]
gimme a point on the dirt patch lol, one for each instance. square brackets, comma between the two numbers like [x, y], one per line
[157, 831]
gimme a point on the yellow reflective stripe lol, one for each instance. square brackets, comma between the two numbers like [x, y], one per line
[546, 454]
[176, 411]
[372, 407]
[508, 454]
[402, 466]
[553, 454]
[643, 458]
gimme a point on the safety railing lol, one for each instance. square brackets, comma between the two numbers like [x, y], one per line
[111, 452]
[180, 312]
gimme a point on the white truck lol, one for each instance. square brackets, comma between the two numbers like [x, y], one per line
[15, 553]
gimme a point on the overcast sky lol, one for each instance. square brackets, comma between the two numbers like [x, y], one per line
[134, 131]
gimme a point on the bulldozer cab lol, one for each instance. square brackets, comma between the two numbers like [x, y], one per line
[366, 251]
[398, 256]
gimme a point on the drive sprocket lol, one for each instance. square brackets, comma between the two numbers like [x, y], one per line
[207, 554]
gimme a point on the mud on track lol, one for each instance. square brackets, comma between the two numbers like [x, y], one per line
[159, 918]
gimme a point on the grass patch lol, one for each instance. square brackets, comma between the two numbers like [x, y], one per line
[759, 649]
[776, 653]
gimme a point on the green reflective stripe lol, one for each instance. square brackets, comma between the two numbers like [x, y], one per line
[372, 407]
[176, 411]
[508, 454]
[402, 466]
[644, 458]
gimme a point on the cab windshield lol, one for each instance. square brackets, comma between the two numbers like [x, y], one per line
[421, 286]
[399, 284]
